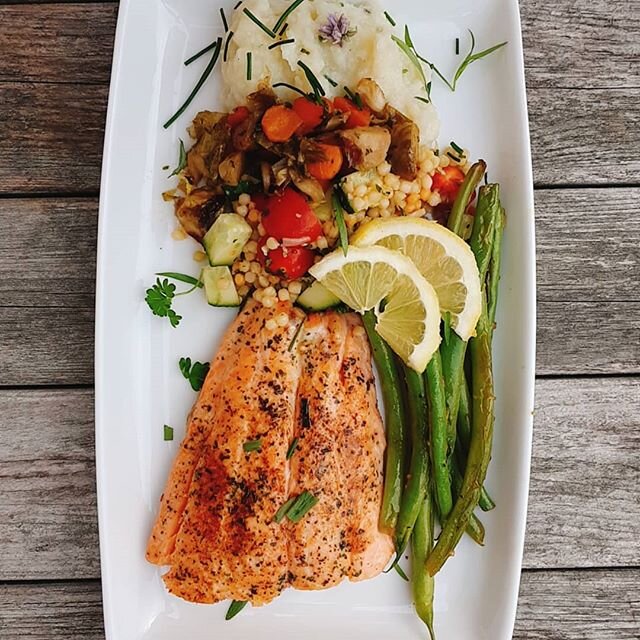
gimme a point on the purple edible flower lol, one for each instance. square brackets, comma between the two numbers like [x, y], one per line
[336, 29]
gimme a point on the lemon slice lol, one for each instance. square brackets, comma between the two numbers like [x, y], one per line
[409, 316]
[442, 257]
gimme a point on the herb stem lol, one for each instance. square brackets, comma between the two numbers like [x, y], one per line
[258, 22]
[203, 78]
[280, 43]
[224, 20]
[226, 46]
[199, 54]
[287, 12]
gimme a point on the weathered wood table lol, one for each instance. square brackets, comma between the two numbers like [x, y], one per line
[582, 559]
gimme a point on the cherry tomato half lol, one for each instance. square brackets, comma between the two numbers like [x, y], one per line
[357, 117]
[288, 215]
[447, 182]
[291, 262]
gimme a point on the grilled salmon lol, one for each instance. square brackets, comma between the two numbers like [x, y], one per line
[308, 383]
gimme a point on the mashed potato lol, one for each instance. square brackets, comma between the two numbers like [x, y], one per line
[368, 52]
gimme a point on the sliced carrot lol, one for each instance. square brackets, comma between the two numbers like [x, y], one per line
[329, 166]
[311, 113]
[279, 123]
[237, 116]
[357, 117]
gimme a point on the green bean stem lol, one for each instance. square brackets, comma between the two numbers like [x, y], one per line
[416, 487]
[434, 382]
[471, 181]
[391, 386]
[475, 530]
[486, 503]
[479, 448]
[423, 584]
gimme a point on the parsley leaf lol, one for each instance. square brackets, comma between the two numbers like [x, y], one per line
[195, 373]
[182, 161]
[160, 297]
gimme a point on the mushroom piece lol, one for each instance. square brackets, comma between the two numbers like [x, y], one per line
[372, 95]
[365, 147]
[308, 186]
[197, 212]
[232, 168]
[405, 148]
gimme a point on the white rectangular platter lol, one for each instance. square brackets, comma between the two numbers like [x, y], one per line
[139, 387]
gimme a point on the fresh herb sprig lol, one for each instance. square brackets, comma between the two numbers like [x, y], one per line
[160, 298]
[406, 46]
[235, 608]
[195, 372]
[182, 161]
[471, 58]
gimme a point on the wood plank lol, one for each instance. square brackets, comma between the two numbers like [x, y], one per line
[48, 523]
[569, 43]
[51, 137]
[583, 513]
[584, 509]
[83, 37]
[46, 345]
[554, 605]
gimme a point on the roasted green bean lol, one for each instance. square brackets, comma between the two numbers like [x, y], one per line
[475, 530]
[471, 181]
[423, 584]
[391, 386]
[493, 277]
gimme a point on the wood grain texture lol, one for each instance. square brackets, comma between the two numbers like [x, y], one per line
[583, 479]
[48, 523]
[584, 505]
[558, 605]
[83, 37]
[51, 137]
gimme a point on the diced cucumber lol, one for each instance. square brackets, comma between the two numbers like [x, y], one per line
[219, 287]
[317, 298]
[226, 238]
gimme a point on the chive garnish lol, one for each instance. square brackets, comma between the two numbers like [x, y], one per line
[282, 511]
[284, 28]
[292, 448]
[292, 7]
[457, 46]
[301, 506]
[226, 46]
[237, 5]
[305, 51]
[457, 149]
[332, 82]
[338, 212]
[249, 66]
[258, 22]
[252, 445]
[200, 53]
[235, 608]
[280, 43]
[168, 433]
[203, 78]
[296, 334]
[224, 20]
[355, 97]
[390, 19]
[425, 100]
[454, 158]
[166, 167]
[290, 86]
[311, 79]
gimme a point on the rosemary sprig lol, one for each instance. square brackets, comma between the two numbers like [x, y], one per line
[203, 78]
[473, 57]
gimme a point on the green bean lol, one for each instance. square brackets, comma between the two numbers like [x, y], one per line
[484, 225]
[493, 277]
[475, 530]
[423, 584]
[438, 435]
[416, 487]
[486, 503]
[479, 448]
[391, 386]
[471, 181]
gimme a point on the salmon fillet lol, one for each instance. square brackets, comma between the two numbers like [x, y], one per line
[216, 525]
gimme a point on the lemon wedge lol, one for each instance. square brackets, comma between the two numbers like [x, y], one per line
[442, 257]
[406, 305]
